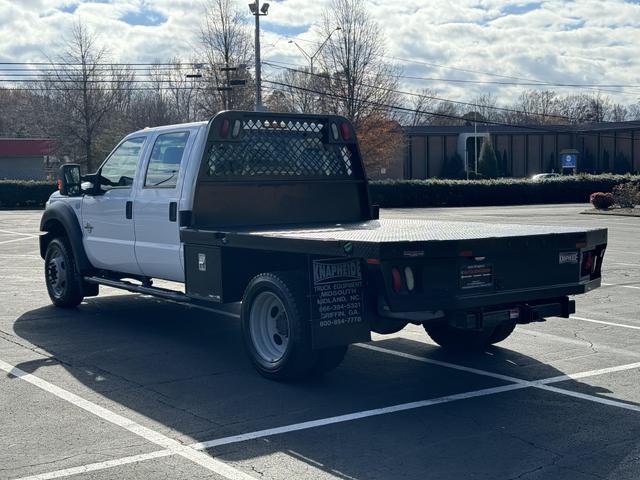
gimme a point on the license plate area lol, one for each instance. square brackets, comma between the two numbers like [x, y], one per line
[476, 275]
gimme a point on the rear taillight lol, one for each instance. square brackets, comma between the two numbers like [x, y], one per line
[588, 263]
[59, 184]
[224, 128]
[345, 131]
[396, 280]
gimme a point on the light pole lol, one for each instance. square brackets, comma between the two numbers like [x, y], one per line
[312, 58]
[475, 138]
[258, 11]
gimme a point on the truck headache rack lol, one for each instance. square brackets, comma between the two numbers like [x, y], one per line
[259, 147]
[270, 168]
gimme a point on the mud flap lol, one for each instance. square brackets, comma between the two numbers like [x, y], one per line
[336, 297]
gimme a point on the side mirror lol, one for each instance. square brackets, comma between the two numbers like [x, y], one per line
[69, 180]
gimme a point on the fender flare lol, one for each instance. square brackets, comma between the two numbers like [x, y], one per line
[61, 216]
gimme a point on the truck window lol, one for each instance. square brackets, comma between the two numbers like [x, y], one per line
[120, 168]
[166, 156]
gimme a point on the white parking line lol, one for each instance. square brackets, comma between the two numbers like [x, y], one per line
[633, 287]
[16, 240]
[591, 398]
[92, 467]
[167, 443]
[622, 325]
[579, 343]
[517, 384]
[508, 378]
[296, 427]
[10, 232]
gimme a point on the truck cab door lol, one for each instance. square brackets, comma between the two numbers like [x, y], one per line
[107, 218]
[155, 210]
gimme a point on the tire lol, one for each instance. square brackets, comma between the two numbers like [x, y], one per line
[501, 332]
[61, 275]
[470, 340]
[329, 359]
[276, 329]
[383, 326]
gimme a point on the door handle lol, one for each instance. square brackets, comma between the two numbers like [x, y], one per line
[129, 210]
[173, 211]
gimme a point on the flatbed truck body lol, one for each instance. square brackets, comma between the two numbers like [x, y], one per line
[274, 211]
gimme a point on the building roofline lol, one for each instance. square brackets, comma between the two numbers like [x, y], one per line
[533, 129]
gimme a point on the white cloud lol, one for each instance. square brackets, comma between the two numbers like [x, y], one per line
[592, 41]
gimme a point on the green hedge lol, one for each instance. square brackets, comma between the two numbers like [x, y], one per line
[20, 193]
[467, 193]
[410, 193]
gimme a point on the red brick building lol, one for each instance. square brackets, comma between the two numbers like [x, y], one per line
[27, 158]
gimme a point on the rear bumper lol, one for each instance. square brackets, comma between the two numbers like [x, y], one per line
[410, 306]
[480, 311]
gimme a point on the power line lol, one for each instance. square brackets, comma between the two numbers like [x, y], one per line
[431, 97]
[531, 81]
[535, 128]
[593, 86]
[96, 63]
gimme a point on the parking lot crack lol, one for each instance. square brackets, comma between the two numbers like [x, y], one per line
[557, 455]
[41, 464]
[526, 473]
[255, 470]
[592, 346]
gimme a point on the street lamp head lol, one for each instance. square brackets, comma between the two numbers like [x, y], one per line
[265, 8]
[253, 7]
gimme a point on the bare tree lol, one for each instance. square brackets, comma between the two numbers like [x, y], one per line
[84, 89]
[486, 106]
[301, 91]
[537, 107]
[421, 106]
[447, 113]
[619, 113]
[226, 43]
[362, 82]
[634, 112]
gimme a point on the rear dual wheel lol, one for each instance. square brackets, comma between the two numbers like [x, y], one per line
[277, 331]
[457, 339]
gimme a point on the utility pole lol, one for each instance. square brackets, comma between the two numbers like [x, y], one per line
[258, 12]
[475, 138]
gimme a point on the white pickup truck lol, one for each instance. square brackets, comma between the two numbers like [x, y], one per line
[273, 210]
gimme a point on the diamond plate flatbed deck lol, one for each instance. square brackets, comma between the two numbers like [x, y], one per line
[397, 237]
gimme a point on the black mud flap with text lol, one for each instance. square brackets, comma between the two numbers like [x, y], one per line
[336, 295]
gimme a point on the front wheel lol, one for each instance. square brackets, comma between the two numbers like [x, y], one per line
[276, 329]
[63, 282]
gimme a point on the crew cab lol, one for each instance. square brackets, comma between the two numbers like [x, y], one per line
[273, 211]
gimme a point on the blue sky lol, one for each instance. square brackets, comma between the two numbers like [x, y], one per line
[583, 41]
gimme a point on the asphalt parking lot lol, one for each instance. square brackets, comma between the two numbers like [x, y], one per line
[128, 386]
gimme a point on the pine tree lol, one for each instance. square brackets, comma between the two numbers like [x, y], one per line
[487, 163]
[505, 164]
